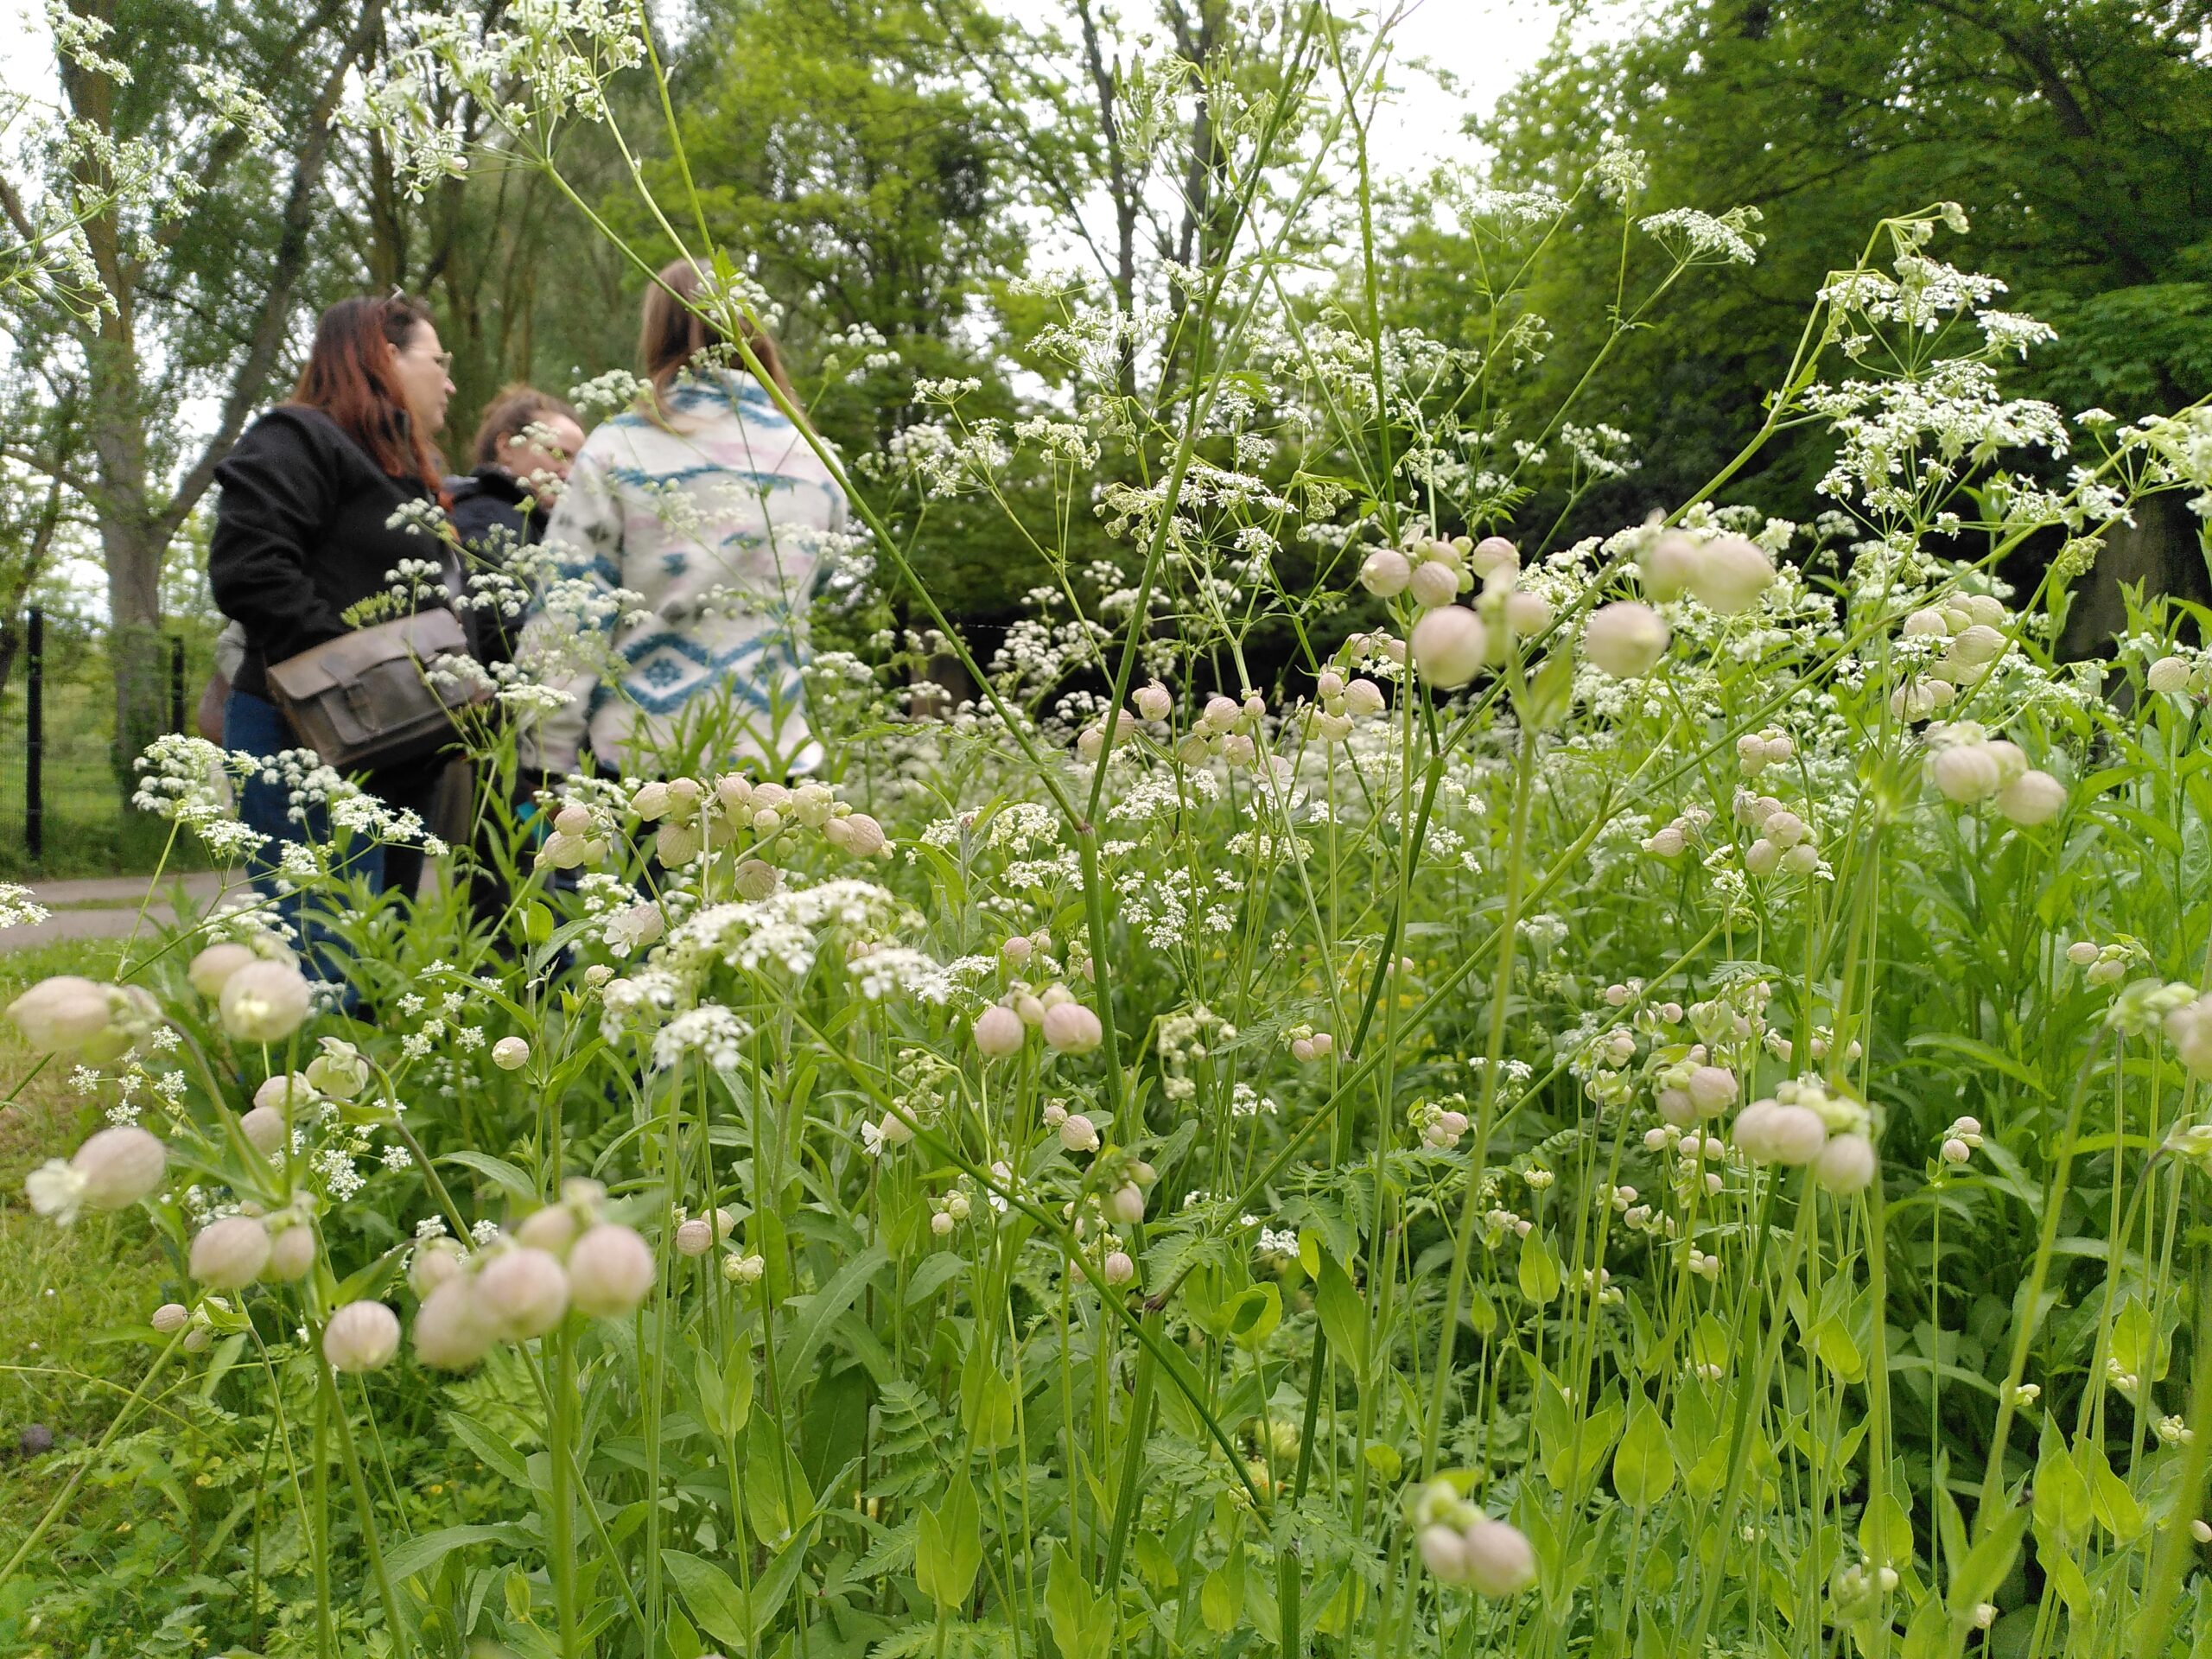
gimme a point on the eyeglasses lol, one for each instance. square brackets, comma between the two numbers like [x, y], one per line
[444, 359]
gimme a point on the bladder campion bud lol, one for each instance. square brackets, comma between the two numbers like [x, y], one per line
[1625, 639]
[213, 966]
[1492, 555]
[1730, 574]
[1845, 1165]
[361, 1336]
[2031, 799]
[2169, 676]
[1385, 572]
[523, 1291]
[1449, 647]
[265, 1001]
[1434, 583]
[230, 1254]
[999, 1031]
[1669, 563]
[1070, 1028]
[453, 1330]
[610, 1271]
[1499, 1560]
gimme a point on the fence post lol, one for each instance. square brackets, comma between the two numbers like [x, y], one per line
[35, 734]
[177, 683]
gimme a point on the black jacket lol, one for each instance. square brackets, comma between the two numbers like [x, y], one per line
[301, 533]
[488, 501]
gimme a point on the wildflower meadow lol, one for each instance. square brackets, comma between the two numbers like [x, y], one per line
[1389, 1082]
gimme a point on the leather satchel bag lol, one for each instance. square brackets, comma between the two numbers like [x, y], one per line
[368, 698]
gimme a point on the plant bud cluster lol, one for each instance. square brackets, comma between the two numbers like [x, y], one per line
[1727, 572]
[1339, 704]
[527, 1280]
[1968, 766]
[692, 818]
[98, 1023]
[1757, 751]
[1807, 1123]
[1672, 839]
[1066, 1026]
[1230, 729]
[1969, 631]
[1459, 1544]
[2104, 964]
[1784, 840]
[1961, 1140]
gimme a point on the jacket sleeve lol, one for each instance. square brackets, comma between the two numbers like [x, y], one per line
[574, 613]
[277, 494]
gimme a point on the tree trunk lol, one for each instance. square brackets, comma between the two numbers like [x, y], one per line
[134, 556]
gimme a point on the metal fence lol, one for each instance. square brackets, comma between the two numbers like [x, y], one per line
[61, 806]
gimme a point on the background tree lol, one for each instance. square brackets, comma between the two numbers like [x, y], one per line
[2079, 138]
[200, 279]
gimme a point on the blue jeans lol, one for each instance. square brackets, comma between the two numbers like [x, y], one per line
[259, 727]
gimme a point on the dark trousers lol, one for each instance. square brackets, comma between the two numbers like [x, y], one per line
[259, 727]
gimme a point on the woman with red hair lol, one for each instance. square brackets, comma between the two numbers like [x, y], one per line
[313, 519]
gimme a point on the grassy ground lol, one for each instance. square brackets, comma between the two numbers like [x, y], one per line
[60, 1288]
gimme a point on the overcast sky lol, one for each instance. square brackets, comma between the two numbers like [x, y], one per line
[1483, 44]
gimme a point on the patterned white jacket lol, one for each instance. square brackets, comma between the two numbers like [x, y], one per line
[717, 515]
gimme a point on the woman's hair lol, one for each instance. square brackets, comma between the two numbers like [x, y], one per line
[673, 334]
[349, 377]
[512, 410]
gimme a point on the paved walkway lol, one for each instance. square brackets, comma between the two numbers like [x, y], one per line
[107, 907]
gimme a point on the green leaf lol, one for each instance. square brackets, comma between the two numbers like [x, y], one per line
[1831, 1340]
[766, 1472]
[1255, 1315]
[2060, 1504]
[1083, 1624]
[1643, 1463]
[2110, 1497]
[1550, 692]
[2135, 1341]
[937, 1271]
[425, 1550]
[949, 1546]
[1540, 1274]
[1974, 1580]
[714, 1601]
[818, 1311]
[493, 1449]
[1220, 1600]
[986, 1402]
[498, 1171]
[1344, 1319]
[1982, 1054]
